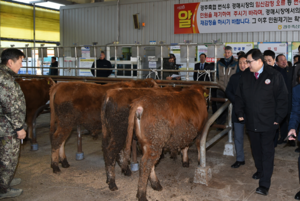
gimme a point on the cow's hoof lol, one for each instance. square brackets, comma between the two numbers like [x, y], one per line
[55, 169]
[185, 164]
[65, 163]
[113, 186]
[141, 196]
[127, 171]
[173, 156]
[156, 186]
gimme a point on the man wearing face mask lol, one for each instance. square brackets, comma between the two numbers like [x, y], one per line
[170, 65]
[269, 58]
[238, 126]
[226, 67]
[287, 73]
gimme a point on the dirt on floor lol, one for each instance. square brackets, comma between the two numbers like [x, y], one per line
[86, 180]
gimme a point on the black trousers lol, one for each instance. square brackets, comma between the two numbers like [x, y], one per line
[299, 167]
[283, 127]
[262, 145]
[222, 118]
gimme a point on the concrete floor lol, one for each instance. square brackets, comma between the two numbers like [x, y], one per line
[85, 180]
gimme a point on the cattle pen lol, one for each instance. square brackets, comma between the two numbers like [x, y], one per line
[203, 173]
[70, 72]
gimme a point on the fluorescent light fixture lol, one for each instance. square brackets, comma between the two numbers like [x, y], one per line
[45, 4]
[23, 1]
[49, 4]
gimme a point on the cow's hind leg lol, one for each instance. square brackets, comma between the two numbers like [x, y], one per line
[149, 159]
[124, 165]
[111, 154]
[155, 184]
[185, 157]
[57, 144]
[62, 156]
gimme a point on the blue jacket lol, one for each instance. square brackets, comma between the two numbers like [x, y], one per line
[295, 114]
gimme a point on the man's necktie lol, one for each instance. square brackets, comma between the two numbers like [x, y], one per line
[201, 68]
[256, 75]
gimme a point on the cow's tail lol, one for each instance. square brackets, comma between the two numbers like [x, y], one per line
[53, 91]
[135, 114]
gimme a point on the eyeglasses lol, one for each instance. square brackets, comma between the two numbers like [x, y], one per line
[249, 62]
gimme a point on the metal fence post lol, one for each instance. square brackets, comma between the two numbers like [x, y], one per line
[229, 149]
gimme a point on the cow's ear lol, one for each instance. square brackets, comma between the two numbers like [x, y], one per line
[205, 90]
[50, 82]
[155, 85]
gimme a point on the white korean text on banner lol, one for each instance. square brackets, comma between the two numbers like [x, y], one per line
[237, 16]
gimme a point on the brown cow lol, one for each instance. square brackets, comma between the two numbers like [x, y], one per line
[114, 118]
[79, 104]
[36, 92]
[172, 120]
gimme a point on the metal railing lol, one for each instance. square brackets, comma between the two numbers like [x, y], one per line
[75, 52]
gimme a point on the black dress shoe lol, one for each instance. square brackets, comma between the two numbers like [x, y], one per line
[237, 164]
[291, 143]
[281, 141]
[257, 175]
[297, 196]
[262, 190]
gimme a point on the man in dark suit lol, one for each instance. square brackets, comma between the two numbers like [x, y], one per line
[202, 66]
[53, 67]
[102, 63]
[262, 98]
[287, 73]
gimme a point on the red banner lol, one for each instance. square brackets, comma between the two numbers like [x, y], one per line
[185, 18]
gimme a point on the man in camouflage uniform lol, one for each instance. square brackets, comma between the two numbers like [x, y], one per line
[12, 119]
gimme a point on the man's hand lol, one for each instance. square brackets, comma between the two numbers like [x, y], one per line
[292, 132]
[169, 78]
[21, 134]
[241, 118]
[275, 123]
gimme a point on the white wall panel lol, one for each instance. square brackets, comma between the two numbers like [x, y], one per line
[87, 23]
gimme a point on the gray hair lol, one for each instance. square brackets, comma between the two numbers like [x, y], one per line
[228, 48]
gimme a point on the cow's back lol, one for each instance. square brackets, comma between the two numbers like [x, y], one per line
[173, 118]
[36, 92]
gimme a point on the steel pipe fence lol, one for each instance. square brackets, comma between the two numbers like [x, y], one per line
[113, 50]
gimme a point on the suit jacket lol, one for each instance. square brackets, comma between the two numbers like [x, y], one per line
[289, 83]
[295, 77]
[263, 101]
[207, 66]
[53, 71]
[295, 113]
[102, 64]
[230, 93]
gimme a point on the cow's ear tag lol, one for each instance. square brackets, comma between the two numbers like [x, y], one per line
[205, 95]
[49, 82]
